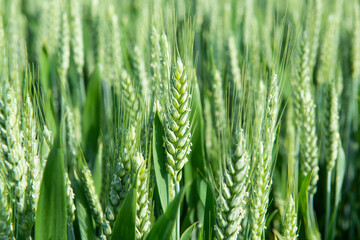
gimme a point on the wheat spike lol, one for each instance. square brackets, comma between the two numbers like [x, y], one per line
[177, 131]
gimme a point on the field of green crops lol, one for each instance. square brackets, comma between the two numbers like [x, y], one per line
[179, 119]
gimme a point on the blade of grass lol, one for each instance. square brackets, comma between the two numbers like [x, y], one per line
[51, 219]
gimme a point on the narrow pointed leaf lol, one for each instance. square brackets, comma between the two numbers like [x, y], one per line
[163, 227]
[124, 227]
[161, 174]
[51, 219]
[188, 232]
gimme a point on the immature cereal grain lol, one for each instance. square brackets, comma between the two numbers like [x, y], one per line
[129, 96]
[142, 204]
[264, 154]
[12, 149]
[308, 141]
[6, 227]
[177, 131]
[331, 126]
[70, 206]
[93, 201]
[231, 201]
[31, 147]
[290, 220]
[64, 50]
[121, 180]
[219, 103]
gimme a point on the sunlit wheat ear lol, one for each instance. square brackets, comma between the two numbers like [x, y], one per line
[31, 147]
[110, 53]
[63, 48]
[141, 74]
[121, 180]
[77, 45]
[165, 65]
[234, 64]
[315, 27]
[302, 80]
[259, 194]
[331, 126]
[129, 96]
[177, 131]
[308, 141]
[219, 103]
[155, 64]
[12, 149]
[290, 220]
[259, 199]
[70, 206]
[232, 197]
[142, 204]
[329, 51]
[51, 25]
[6, 227]
[15, 45]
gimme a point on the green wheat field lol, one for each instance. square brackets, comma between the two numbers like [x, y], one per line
[179, 119]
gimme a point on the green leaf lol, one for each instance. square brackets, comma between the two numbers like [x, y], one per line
[97, 171]
[91, 117]
[188, 232]
[83, 222]
[124, 227]
[340, 173]
[161, 175]
[311, 228]
[197, 154]
[51, 219]
[44, 69]
[209, 216]
[163, 227]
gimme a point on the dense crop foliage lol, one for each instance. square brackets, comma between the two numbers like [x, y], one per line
[181, 119]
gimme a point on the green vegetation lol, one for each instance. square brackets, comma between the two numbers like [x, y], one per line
[179, 119]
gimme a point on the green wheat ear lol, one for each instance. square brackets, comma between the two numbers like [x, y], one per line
[6, 227]
[92, 199]
[308, 141]
[231, 201]
[121, 180]
[177, 131]
[142, 204]
[69, 202]
[290, 220]
[31, 146]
